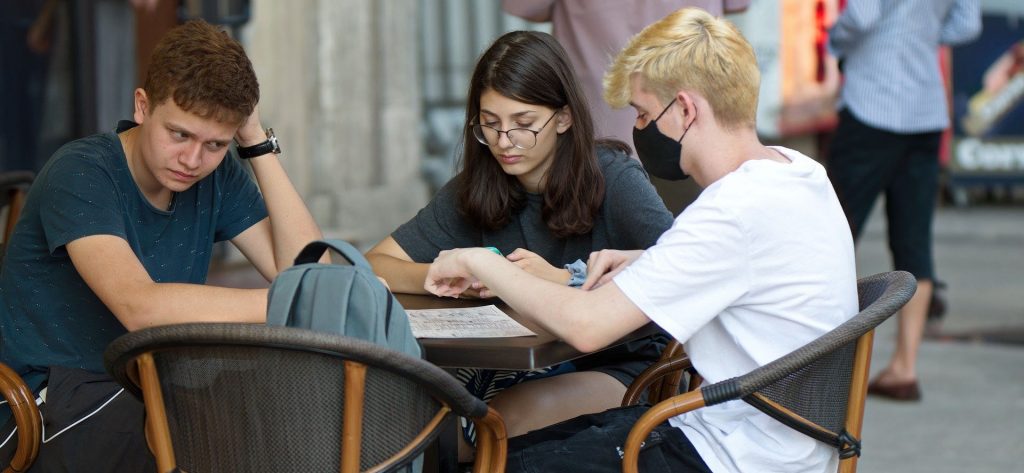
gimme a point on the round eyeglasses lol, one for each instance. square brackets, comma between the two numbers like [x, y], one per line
[521, 138]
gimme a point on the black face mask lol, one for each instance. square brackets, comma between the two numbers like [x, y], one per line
[660, 154]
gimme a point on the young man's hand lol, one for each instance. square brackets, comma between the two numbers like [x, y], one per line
[251, 132]
[603, 265]
[449, 274]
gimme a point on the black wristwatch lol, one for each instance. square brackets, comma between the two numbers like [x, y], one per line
[269, 146]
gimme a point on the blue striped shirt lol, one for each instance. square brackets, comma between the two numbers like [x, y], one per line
[889, 50]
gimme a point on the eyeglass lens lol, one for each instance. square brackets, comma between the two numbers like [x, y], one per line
[522, 138]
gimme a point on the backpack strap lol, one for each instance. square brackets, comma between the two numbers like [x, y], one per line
[315, 249]
[286, 286]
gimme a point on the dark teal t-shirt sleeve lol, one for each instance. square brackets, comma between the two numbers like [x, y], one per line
[636, 214]
[80, 198]
[435, 228]
[238, 197]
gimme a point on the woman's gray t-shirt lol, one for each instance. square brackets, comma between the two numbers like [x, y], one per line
[631, 217]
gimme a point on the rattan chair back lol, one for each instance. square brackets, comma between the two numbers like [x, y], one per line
[240, 397]
[818, 389]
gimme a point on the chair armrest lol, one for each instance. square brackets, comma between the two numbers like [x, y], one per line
[657, 414]
[673, 349]
[26, 417]
[653, 373]
[491, 443]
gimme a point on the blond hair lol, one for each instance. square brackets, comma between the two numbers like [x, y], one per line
[690, 49]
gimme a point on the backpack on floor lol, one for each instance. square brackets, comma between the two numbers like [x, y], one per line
[340, 299]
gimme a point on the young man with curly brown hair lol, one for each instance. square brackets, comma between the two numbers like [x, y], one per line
[117, 232]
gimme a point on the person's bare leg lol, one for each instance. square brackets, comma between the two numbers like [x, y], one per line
[539, 403]
[902, 367]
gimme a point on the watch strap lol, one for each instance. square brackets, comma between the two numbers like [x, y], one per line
[269, 146]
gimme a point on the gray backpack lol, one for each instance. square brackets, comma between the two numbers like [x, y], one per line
[339, 299]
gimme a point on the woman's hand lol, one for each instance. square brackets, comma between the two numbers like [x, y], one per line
[605, 264]
[532, 263]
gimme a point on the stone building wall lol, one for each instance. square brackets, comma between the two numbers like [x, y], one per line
[340, 88]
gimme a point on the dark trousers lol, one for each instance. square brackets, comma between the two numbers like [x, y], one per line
[864, 162]
[594, 443]
[111, 440]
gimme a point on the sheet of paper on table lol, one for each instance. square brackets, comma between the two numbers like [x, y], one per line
[468, 322]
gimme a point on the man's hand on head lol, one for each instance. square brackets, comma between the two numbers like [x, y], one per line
[251, 132]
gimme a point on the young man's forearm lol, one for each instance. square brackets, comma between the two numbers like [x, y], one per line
[587, 320]
[152, 304]
[292, 226]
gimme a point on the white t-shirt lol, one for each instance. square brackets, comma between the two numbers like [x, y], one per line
[760, 264]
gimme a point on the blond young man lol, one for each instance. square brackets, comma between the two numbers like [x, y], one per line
[116, 235]
[759, 265]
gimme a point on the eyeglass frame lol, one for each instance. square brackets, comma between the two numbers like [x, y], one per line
[473, 128]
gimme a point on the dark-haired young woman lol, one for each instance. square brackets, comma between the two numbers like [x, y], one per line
[536, 185]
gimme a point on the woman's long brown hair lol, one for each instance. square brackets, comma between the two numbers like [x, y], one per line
[531, 67]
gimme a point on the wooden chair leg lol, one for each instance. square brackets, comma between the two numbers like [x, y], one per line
[858, 392]
[352, 424]
[158, 433]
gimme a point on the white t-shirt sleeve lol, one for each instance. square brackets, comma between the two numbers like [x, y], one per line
[698, 268]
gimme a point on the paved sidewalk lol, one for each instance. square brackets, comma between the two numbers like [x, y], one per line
[971, 418]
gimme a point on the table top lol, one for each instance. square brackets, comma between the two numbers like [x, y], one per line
[510, 353]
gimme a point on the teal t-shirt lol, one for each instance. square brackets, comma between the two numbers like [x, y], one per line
[48, 315]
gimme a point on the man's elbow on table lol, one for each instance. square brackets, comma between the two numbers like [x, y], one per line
[596, 319]
[590, 338]
[586, 344]
[138, 308]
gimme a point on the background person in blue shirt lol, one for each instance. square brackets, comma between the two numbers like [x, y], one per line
[893, 109]
[116, 235]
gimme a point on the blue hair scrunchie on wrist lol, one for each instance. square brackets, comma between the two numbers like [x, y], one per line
[578, 273]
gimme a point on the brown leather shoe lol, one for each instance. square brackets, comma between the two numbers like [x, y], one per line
[897, 392]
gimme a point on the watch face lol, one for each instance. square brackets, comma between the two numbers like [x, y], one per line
[276, 149]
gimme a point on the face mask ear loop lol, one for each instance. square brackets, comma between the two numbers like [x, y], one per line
[688, 126]
[663, 111]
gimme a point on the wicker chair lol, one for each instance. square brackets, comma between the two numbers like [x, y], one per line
[13, 187]
[239, 397]
[817, 389]
[662, 378]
